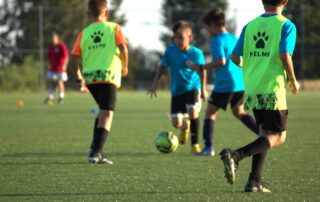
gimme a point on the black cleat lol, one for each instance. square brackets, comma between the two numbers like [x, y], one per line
[230, 165]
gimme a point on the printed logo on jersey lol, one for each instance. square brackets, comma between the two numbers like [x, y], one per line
[260, 39]
[97, 40]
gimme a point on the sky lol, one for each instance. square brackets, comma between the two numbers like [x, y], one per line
[144, 20]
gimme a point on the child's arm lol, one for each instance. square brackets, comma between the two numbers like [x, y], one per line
[124, 57]
[153, 89]
[236, 60]
[288, 66]
[204, 93]
[75, 64]
[214, 64]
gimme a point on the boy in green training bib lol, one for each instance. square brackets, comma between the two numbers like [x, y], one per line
[266, 45]
[102, 49]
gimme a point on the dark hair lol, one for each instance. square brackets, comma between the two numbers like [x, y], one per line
[54, 33]
[96, 7]
[181, 26]
[215, 16]
[273, 2]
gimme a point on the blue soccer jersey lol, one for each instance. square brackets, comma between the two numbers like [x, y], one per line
[228, 77]
[182, 78]
[287, 42]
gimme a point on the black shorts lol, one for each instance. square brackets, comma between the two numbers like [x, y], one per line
[272, 120]
[105, 95]
[180, 103]
[221, 100]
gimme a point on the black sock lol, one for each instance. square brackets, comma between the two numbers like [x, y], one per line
[257, 165]
[94, 138]
[258, 146]
[250, 122]
[194, 130]
[208, 132]
[102, 134]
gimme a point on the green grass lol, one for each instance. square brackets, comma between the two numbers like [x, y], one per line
[43, 152]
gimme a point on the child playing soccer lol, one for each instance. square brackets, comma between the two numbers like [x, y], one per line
[185, 84]
[228, 87]
[266, 45]
[103, 51]
[58, 57]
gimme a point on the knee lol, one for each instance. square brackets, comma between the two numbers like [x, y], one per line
[176, 123]
[238, 113]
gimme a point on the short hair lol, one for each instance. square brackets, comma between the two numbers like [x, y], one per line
[181, 26]
[273, 2]
[96, 7]
[215, 16]
[54, 33]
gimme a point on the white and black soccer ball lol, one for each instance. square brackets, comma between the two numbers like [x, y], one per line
[166, 142]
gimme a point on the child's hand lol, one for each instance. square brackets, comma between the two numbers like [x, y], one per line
[84, 89]
[152, 91]
[204, 95]
[294, 86]
[124, 72]
[192, 66]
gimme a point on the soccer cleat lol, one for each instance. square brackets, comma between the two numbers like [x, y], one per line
[184, 133]
[60, 100]
[48, 101]
[195, 149]
[98, 158]
[230, 165]
[207, 151]
[253, 186]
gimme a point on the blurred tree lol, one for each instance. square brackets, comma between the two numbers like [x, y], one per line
[191, 11]
[23, 18]
[304, 14]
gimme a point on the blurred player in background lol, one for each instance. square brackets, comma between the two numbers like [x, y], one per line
[102, 49]
[185, 85]
[266, 45]
[58, 56]
[228, 86]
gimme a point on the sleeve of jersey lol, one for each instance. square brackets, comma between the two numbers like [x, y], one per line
[76, 50]
[238, 49]
[65, 50]
[217, 49]
[120, 40]
[288, 37]
[200, 60]
[165, 62]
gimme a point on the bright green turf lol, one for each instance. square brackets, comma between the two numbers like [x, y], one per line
[43, 152]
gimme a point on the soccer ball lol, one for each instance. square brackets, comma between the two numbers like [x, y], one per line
[166, 142]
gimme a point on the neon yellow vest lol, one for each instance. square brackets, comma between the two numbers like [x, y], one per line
[100, 54]
[263, 72]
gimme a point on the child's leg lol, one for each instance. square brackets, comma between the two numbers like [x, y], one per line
[105, 96]
[239, 112]
[61, 89]
[208, 126]
[101, 132]
[194, 125]
[177, 120]
[51, 87]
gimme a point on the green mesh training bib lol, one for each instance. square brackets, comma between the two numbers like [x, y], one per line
[100, 54]
[263, 72]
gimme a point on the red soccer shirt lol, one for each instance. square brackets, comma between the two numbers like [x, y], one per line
[57, 55]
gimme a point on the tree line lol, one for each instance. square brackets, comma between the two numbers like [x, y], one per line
[19, 35]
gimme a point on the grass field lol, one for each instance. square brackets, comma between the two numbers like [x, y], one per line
[43, 152]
